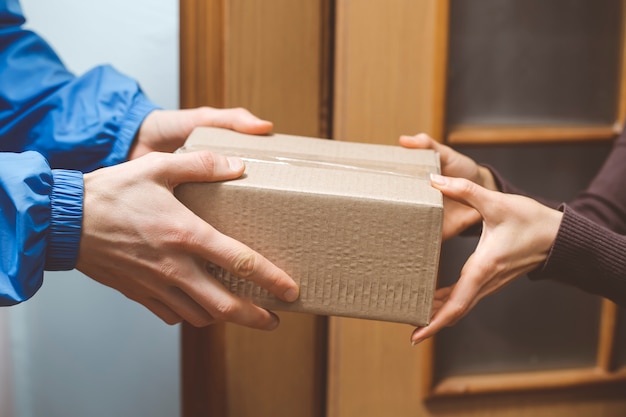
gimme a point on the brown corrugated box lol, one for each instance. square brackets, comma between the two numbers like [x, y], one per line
[356, 225]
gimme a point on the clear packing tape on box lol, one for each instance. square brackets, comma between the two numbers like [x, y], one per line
[356, 225]
[264, 157]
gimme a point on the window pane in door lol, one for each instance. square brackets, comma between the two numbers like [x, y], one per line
[534, 62]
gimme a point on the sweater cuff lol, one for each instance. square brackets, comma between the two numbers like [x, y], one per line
[66, 216]
[586, 255]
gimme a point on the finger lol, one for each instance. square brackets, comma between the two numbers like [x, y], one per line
[461, 298]
[448, 314]
[173, 306]
[442, 294]
[187, 308]
[162, 311]
[238, 119]
[241, 261]
[419, 141]
[440, 302]
[225, 306]
[201, 166]
[423, 141]
[441, 297]
[464, 191]
[457, 218]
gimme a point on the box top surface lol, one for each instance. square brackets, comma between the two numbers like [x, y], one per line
[322, 166]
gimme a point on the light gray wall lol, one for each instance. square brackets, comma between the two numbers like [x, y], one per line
[79, 348]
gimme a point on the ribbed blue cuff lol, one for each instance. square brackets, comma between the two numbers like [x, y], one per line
[129, 127]
[66, 220]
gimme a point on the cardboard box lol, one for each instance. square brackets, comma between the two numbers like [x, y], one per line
[358, 226]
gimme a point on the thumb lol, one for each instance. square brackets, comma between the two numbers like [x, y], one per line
[238, 119]
[200, 166]
[464, 191]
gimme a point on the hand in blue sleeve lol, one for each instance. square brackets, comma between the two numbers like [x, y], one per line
[122, 226]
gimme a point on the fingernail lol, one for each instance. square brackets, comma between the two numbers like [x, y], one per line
[236, 164]
[438, 179]
[291, 295]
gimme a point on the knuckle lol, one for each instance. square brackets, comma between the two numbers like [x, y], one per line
[457, 310]
[244, 264]
[225, 310]
[466, 187]
[169, 270]
[423, 136]
[179, 235]
[207, 161]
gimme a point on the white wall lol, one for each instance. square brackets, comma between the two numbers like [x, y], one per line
[79, 348]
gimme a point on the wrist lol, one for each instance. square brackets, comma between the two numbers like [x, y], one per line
[551, 229]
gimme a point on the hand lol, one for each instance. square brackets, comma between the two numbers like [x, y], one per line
[517, 235]
[139, 239]
[456, 217]
[167, 130]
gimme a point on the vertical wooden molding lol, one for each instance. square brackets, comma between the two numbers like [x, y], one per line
[333, 368]
[390, 62]
[202, 53]
[621, 105]
[428, 368]
[340, 68]
[606, 336]
[204, 376]
[440, 72]
[203, 364]
[327, 63]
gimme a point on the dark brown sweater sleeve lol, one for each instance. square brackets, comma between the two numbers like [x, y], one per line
[587, 255]
[589, 251]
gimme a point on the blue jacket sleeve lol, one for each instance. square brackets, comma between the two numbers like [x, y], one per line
[80, 123]
[53, 127]
[40, 222]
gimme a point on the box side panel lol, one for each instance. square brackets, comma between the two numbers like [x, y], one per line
[351, 257]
